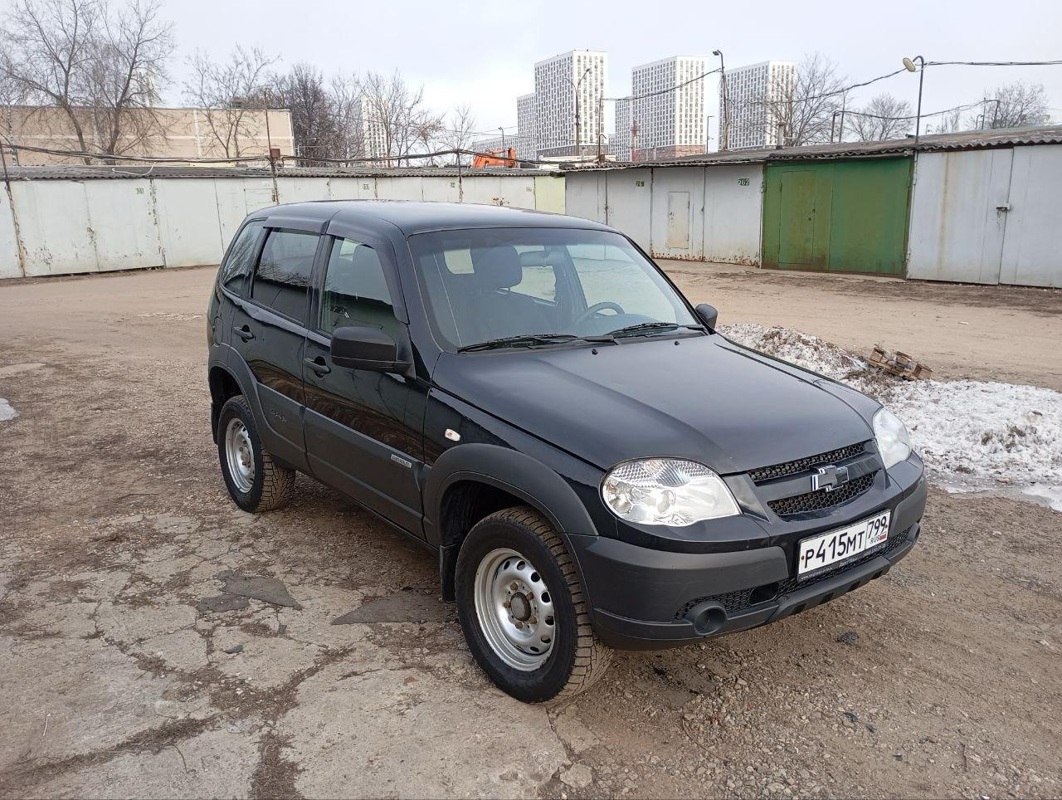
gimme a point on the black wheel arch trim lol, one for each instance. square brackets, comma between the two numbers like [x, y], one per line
[230, 362]
[510, 471]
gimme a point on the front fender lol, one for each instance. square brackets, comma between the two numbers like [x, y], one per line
[511, 471]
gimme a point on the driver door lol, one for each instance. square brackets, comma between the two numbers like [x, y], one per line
[363, 428]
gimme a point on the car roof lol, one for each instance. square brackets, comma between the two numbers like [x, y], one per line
[415, 217]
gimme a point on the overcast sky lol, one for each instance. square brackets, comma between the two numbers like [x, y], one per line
[482, 53]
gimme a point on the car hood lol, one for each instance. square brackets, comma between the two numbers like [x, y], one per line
[701, 398]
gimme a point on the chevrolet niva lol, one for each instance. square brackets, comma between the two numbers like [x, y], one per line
[530, 397]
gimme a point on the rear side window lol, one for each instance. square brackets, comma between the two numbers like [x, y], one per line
[355, 290]
[282, 278]
[236, 272]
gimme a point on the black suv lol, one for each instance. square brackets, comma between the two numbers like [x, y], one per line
[530, 397]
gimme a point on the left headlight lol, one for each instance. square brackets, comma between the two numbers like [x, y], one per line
[894, 442]
[666, 491]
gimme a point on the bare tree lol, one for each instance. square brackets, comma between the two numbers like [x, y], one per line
[458, 132]
[397, 118]
[796, 111]
[100, 66]
[315, 122]
[229, 92]
[1015, 105]
[346, 94]
[884, 117]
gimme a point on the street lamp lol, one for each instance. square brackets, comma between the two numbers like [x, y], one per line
[502, 131]
[576, 85]
[920, 68]
[724, 138]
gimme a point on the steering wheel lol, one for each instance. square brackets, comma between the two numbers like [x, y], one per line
[597, 308]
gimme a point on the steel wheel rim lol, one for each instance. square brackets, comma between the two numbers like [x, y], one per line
[239, 454]
[515, 609]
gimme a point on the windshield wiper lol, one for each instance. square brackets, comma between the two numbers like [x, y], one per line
[530, 340]
[649, 327]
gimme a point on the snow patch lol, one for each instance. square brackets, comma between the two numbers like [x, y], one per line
[6, 411]
[972, 435]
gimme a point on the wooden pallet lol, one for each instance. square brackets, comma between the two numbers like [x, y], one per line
[899, 364]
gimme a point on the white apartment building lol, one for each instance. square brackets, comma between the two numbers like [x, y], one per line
[525, 124]
[372, 130]
[668, 107]
[754, 96]
[557, 98]
[620, 145]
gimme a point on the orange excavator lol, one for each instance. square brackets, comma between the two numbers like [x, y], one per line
[495, 158]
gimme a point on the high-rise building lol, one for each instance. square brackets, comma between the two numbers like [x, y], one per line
[372, 130]
[668, 107]
[622, 138]
[525, 125]
[568, 92]
[755, 96]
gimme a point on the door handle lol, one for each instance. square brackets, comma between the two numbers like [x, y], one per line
[244, 333]
[318, 365]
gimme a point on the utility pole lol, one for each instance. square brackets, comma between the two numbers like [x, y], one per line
[724, 133]
[503, 137]
[578, 124]
[600, 128]
[909, 65]
[634, 140]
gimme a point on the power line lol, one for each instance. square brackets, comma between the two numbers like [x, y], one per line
[674, 88]
[964, 107]
[993, 63]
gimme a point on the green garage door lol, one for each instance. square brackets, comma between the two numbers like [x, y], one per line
[840, 216]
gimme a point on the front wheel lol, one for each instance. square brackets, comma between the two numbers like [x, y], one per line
[523, 611]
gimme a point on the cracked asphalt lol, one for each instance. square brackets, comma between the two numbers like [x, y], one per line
[157, 642]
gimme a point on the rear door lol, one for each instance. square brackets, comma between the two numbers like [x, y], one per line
[269, 330]
[363, 428]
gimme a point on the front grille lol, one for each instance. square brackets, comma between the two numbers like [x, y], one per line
[771, 473]
[818, 500]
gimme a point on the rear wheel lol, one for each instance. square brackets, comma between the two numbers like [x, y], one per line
[254, 480]
[522, 608]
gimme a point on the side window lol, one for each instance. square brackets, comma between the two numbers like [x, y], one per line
[236, 270]
[283, 274]
[355, 290]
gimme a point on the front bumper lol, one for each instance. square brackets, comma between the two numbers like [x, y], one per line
[644, 598]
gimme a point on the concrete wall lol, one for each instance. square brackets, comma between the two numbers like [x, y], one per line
[694, 213]
[71, 226]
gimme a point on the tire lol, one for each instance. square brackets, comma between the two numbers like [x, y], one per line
[255, 481]
[517, 546]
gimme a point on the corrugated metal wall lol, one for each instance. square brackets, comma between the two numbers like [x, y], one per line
[988, 216]
[693, 213]
[837, 216]
[75, 226]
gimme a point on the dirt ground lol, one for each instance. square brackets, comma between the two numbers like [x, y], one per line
[157, 642]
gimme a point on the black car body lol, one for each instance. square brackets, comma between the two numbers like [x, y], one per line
[344, 368]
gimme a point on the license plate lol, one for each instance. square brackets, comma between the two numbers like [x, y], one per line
[835, 547]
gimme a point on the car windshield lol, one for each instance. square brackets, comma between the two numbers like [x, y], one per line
[512, 287]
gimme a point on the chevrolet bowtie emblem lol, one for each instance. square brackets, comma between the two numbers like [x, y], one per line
[829, 478]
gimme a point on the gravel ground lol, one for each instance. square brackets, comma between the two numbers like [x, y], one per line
[158, 642]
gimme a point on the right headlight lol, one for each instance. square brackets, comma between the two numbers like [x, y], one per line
[894, 442]
[666, 491]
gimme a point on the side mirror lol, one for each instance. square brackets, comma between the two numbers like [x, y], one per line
[707, 314]
[360, 347]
